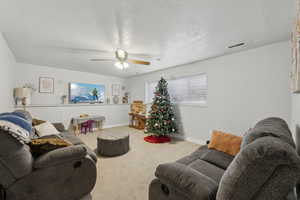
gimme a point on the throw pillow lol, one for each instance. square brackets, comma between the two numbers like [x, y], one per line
[36, 122]
[46, 128]
[225, 142]
[46, 144]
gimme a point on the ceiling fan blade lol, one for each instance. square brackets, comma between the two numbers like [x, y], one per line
[140, 62]
[101, 59]
[81, 51]
[143, 55]
[73, 50]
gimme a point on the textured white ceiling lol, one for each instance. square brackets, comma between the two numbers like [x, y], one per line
[65, 33]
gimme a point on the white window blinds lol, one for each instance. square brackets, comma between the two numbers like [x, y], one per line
[189, 89]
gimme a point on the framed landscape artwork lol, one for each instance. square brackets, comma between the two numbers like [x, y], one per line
[86, 93]
[46, 85]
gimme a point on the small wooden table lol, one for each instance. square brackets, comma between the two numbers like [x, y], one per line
[137, 121]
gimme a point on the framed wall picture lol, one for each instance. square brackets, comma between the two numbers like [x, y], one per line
[86, 93]
[46, 85]
[116, 90]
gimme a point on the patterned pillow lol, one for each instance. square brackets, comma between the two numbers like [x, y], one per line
[46, 144]
[36, 122]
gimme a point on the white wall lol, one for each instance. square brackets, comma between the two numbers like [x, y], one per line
[7, 64]
[27, 73]
[242, 89]
[295, 119]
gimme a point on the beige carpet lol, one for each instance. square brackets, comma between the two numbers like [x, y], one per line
[127, 177]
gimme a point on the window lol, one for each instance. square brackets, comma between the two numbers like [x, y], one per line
[184, 90]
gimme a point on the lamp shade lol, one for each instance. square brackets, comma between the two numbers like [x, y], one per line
[22, 92]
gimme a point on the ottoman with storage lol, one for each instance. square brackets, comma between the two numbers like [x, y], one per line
[112, 144]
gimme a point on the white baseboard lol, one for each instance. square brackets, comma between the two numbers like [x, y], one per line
[190, 139]
[181, 137]
[196, 141]
[115, 125]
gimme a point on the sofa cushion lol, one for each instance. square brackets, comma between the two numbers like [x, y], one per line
[60, 127]
[194, 156]
[217, 158]
[187, 180]
[274, 127]
[207, 169]
[71, 138]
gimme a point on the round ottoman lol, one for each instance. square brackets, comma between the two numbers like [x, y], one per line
[112, 144]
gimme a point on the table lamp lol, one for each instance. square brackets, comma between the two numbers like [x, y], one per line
[22, 94]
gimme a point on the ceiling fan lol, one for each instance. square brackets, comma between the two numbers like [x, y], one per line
[122, 61]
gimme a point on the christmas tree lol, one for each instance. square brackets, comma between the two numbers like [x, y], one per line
[161, 119]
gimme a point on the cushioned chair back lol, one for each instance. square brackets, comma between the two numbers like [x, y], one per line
[15, 158]
[274, 127]
[266, 168]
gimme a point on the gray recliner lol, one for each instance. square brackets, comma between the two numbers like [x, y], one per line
[266, 168]
[63, 174]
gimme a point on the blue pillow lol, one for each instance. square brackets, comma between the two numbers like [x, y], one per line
[19, 121]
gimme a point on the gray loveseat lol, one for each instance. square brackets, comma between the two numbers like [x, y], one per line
[266, 168]
[64, 174]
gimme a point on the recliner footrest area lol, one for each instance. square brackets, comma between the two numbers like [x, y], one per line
[187, 180]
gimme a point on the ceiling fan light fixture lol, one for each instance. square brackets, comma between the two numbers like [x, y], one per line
[122, 65]
[121, 54]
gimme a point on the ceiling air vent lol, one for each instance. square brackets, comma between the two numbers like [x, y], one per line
[236, 45]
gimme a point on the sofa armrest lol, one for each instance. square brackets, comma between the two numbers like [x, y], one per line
[59, 127]
[187, 180]
[60, 156]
